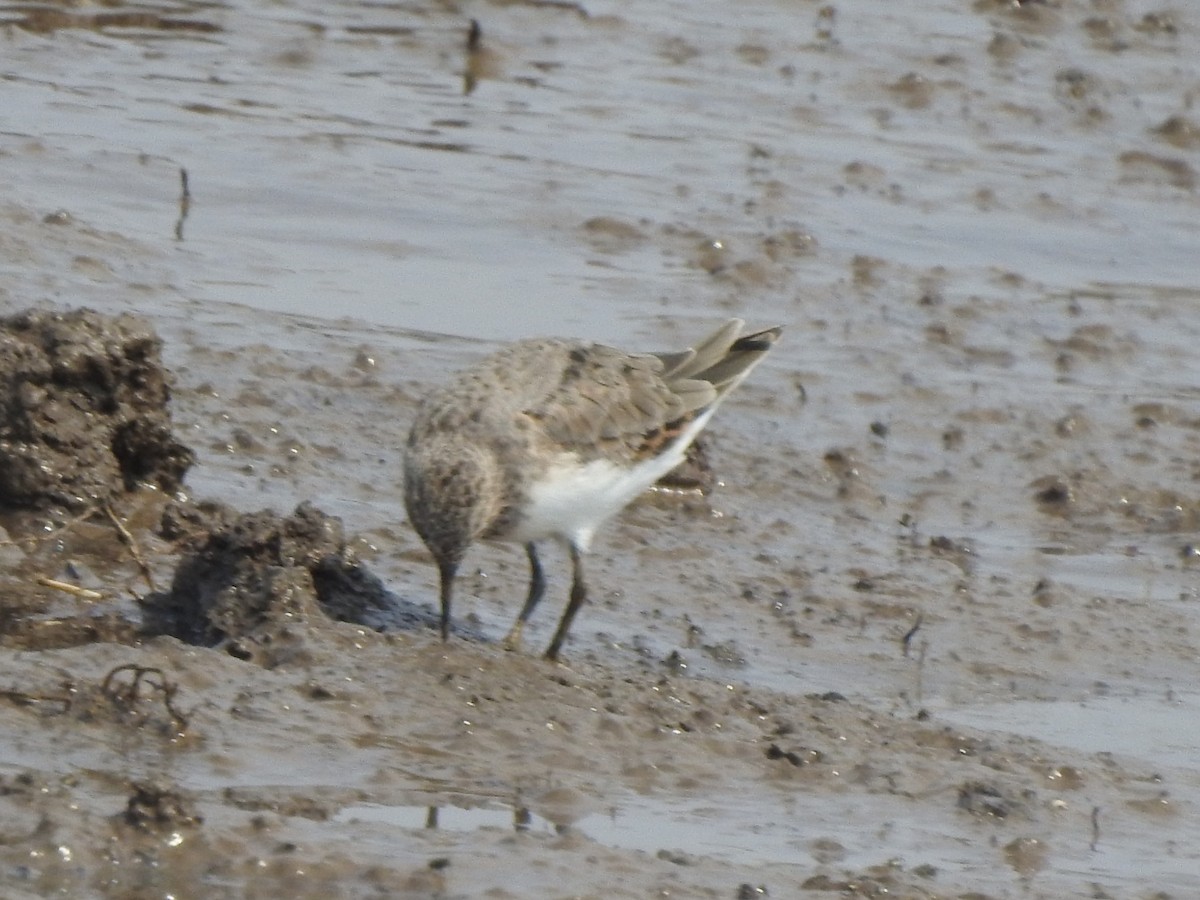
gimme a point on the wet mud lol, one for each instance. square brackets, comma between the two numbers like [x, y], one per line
[232, 662]
[253, 583]
[923, 622]
[85, 414]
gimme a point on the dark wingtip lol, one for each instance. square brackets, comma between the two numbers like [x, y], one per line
[760, 341]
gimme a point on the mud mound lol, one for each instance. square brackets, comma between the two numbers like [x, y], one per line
[255, 582]
[83, 410]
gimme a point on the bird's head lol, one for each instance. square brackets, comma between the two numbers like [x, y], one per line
[453, 492]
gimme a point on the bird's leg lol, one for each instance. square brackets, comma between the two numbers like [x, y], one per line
[447, 571]
[578, 596]
[537, 587]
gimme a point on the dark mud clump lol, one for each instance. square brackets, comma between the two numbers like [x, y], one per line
[84, 423]
[256, 583]
[83, 410]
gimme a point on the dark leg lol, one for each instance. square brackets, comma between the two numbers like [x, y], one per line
[447, 572]
[578, 596]
[537, 587]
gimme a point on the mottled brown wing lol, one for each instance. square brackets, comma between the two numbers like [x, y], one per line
[593, 399]
[609, 401]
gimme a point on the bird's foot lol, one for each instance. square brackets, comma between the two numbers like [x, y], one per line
[512, 640]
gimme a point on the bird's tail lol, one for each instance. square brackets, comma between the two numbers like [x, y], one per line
[718, 364]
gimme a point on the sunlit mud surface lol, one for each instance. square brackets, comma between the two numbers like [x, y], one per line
[934, 633]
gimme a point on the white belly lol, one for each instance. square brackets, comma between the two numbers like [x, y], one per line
[572, 500]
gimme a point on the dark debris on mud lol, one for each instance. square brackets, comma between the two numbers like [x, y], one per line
[84, 411]
[254, 581]
[85, 428]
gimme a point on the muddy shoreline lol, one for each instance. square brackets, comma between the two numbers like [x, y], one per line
[277, 748]
[932, 629]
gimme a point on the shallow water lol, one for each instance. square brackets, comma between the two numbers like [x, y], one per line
[977, 221]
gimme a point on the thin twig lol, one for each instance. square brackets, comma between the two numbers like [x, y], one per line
[185, 203]
[129, 542]
[906, 641]
[68, 588]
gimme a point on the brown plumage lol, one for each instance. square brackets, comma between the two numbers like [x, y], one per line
[548, 438]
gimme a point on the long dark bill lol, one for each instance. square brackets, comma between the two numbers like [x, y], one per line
[447, 571]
